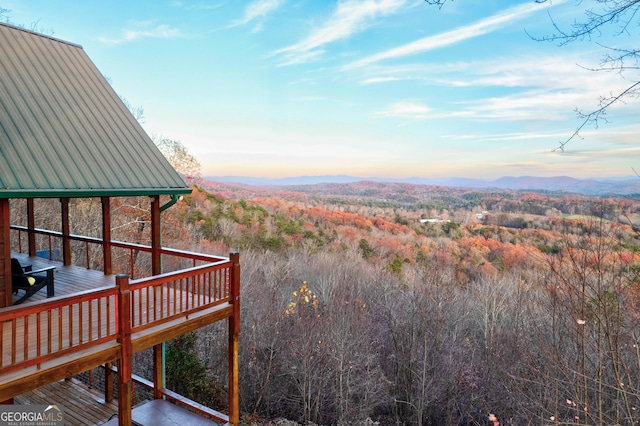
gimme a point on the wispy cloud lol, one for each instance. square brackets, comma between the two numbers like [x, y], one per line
[374, 80]
[143, 29]
[484, 26]
[349, 17]
[406, 110]
[535, 89]
[257, 10]
[203, 5]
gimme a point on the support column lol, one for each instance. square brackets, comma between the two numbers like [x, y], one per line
[234, 332]
[125, 382]
[31, 225]
[106, 236]
[6, 292]
[108, 382]
[156, 238]
[158, 371]
[66, 231]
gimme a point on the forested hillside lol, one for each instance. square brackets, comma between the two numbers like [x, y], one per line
[372, 303]
[409, 304]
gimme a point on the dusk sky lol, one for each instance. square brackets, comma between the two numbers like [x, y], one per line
[384, 88]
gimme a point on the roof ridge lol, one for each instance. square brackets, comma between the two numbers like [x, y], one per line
[5, 24]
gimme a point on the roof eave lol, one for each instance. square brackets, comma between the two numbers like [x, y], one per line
[86, 193]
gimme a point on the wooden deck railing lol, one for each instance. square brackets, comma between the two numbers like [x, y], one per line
[164, 297]
[40, 332]
[88, 252]
[56, 327]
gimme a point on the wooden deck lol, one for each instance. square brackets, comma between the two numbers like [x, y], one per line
[81, 405]
[67, 279]
[47, 339]
[163, 413]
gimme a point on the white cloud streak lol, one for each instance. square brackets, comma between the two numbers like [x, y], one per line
[146, 30]
[538, 88]
[256, 10]
[406, 110]
[484, 26]
[349, 17]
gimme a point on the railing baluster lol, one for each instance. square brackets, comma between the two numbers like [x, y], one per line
[2, 345]
[131, 262]
[151, 303]
[111, 323]
[140, 296]
[13, 341]
[90, 324]
[80, 323]
[70, 321]
[60, 310]
[157, 302]
[99, 330]
[49, 328]
[25, 337]
[176, 295]
[38, 333]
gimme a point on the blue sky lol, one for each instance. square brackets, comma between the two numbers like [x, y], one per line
[369, 88]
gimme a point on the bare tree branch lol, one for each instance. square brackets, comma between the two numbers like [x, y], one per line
[597, 115]
[614, 17]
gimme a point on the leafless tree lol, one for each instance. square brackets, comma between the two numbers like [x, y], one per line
[620, 18]
[605, 17]
[179, 157]
[582, 354]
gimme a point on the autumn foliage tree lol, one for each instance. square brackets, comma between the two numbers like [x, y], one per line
[356, 312]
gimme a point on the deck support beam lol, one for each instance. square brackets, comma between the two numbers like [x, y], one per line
[106, 235]
[125, 382]
[31, 226]
[108, 382]
[156, 238]
[234, 333]
[6, 291]
[66, 231]
[158, 371]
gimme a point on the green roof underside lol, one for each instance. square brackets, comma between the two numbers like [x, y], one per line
[64, 132]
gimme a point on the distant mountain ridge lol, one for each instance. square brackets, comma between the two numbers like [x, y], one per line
[595, 186]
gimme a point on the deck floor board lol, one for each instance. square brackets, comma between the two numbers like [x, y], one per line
[81, 406]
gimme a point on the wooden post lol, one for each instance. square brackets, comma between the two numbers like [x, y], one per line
[158, 374]
[234, 332]
[108, 383]
[31, 225]
[66, 231]
[156, 265]
[125, 383]
[106, 236]
[6, 292]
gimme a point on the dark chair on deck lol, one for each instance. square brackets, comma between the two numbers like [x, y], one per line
[24, 278]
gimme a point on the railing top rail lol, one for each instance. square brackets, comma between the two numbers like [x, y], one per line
[128, 245]
[187, 272]
[49, 304]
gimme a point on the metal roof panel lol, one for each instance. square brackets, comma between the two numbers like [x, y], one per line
[63, 129]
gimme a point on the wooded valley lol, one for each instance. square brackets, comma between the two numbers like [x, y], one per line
[374, 303]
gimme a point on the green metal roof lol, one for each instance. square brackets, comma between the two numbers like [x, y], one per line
[64, 132]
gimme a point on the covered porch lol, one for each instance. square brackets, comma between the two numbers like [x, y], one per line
[66, 137]
[93, 319]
